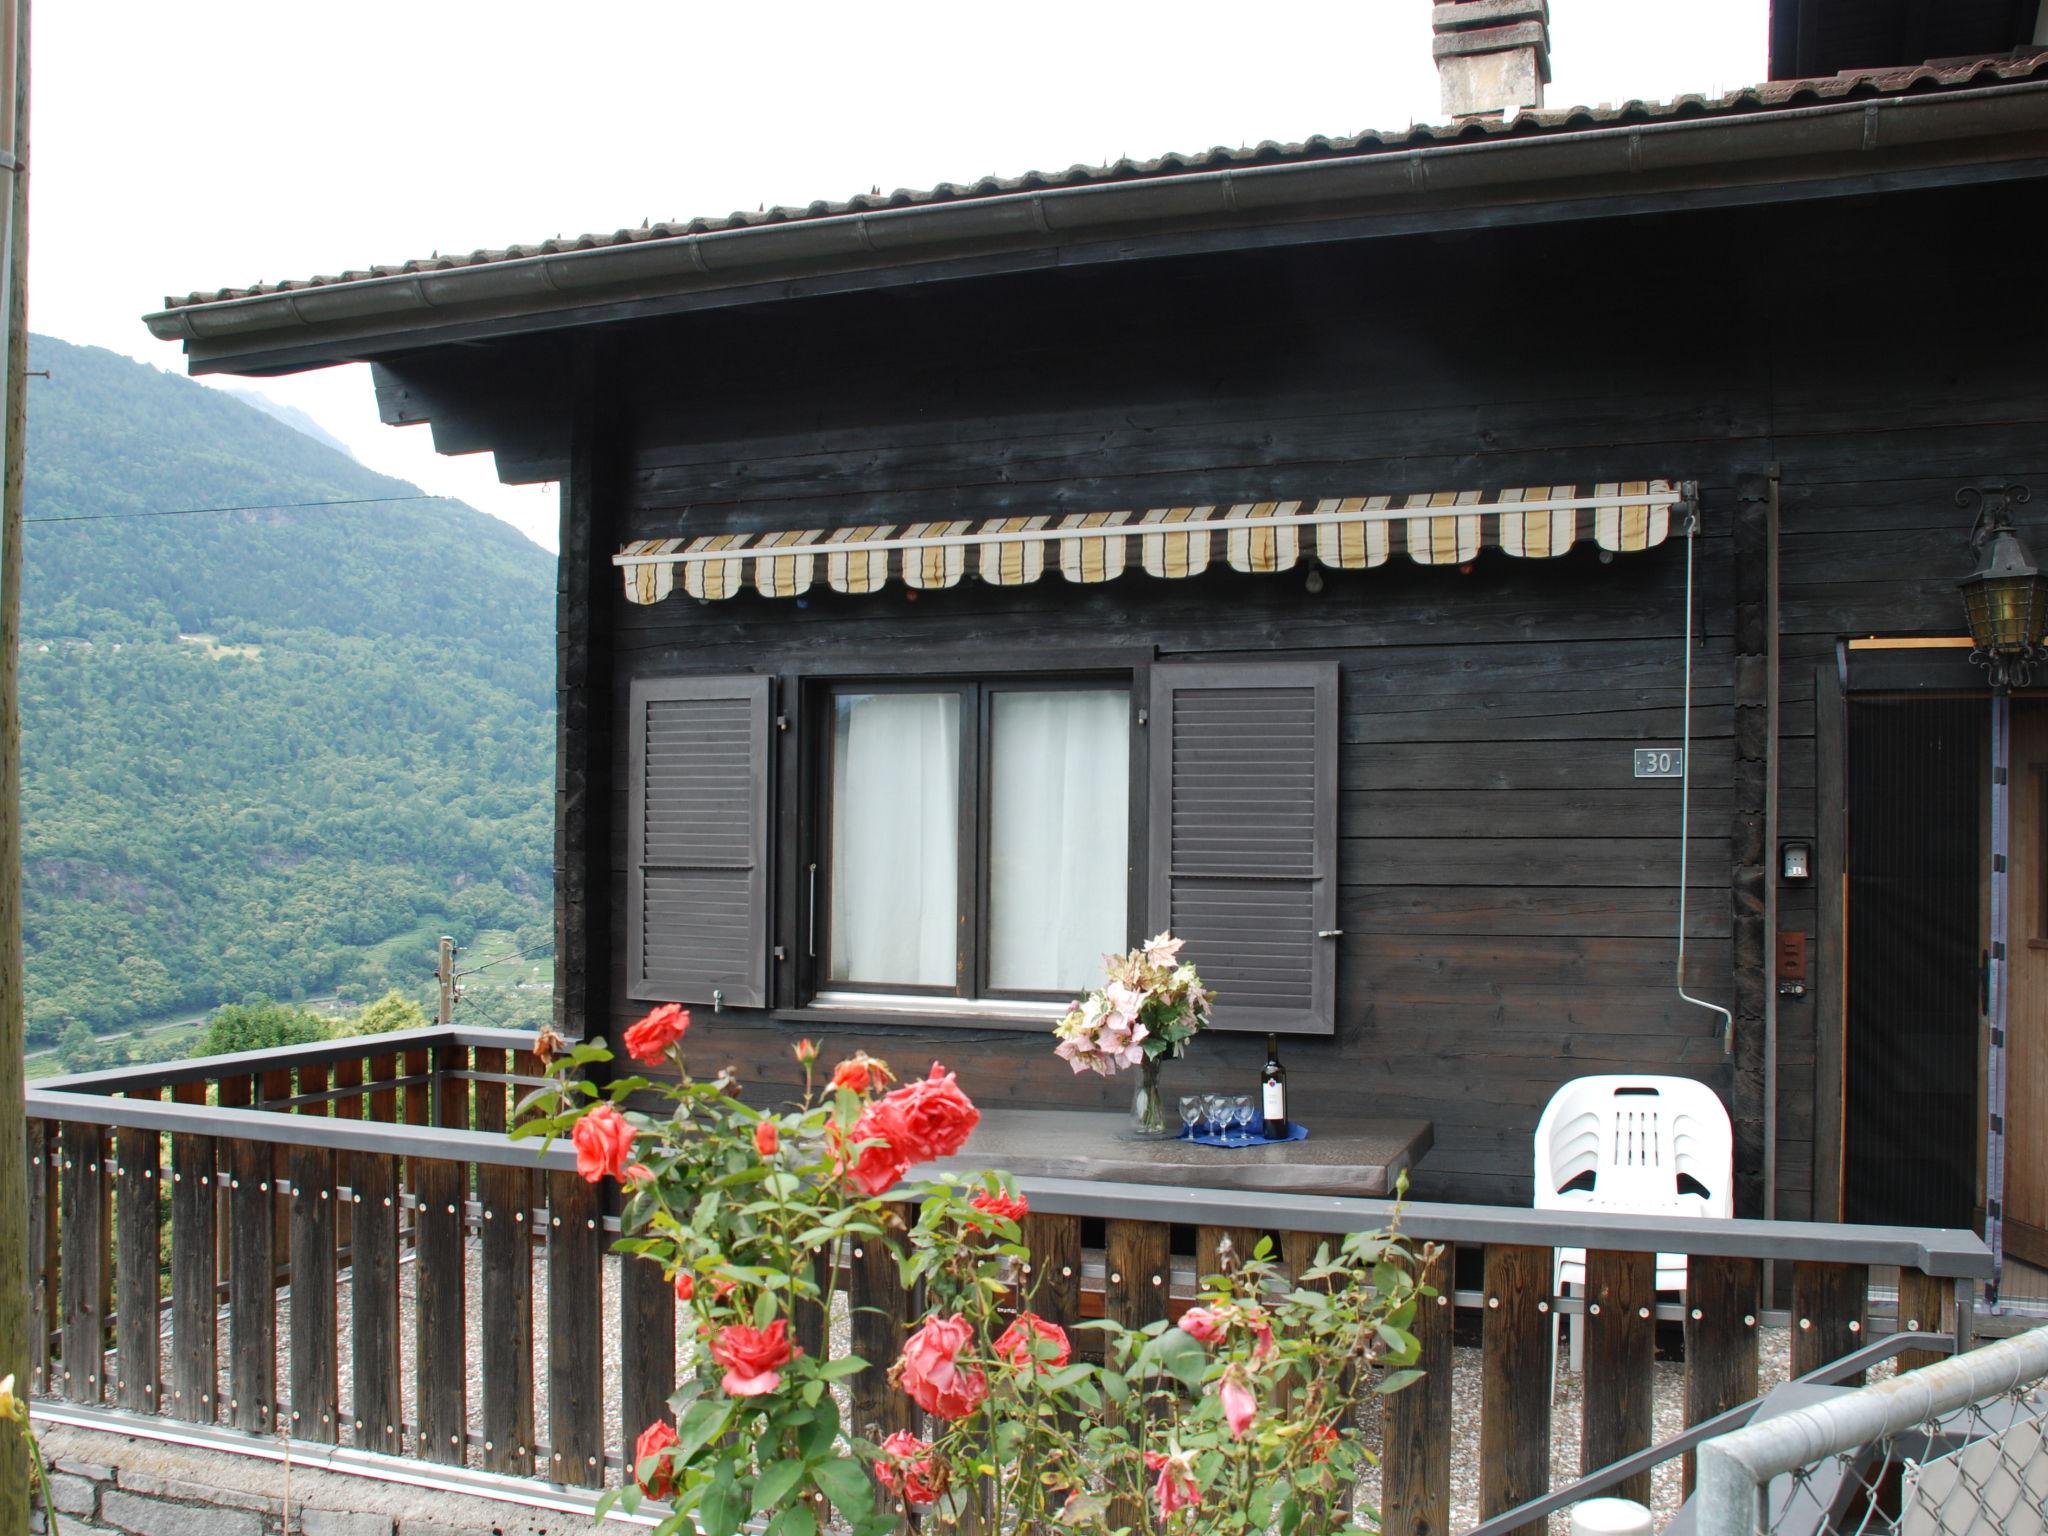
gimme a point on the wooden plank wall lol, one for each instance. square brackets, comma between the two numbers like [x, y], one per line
[1507, 888]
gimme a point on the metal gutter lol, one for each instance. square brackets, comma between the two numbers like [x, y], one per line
[1779, 149]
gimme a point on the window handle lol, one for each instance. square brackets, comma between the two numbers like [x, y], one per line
[812, 945]
[1329, 933]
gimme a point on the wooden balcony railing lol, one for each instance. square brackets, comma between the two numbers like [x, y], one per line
[218, 1194]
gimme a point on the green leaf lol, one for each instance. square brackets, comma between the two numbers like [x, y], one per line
[1115, 1387]
[843, 1482]
[724, 1506]
[704, 1422]
[1174, 1354]
[796, 1520]
[1396, 1380]
[815, 1443]
[774, 1484]
[846, 1365]
[605, 1503]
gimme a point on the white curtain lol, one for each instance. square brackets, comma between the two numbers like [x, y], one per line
[1059, 836]
[895, 838]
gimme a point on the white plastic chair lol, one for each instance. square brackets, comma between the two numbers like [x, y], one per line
[1644, 1146]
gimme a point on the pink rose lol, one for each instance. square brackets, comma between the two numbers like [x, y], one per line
[1203, 1324]
[753, 1357]
[930, 1371]
[1240, 1407]
[655, 1439]
[937, 1117]
[1019, 1343]
[604, 1143]
[650, 1039]
[1176, 1488]
[908, 1468]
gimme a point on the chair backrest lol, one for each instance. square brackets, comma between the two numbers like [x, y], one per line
[1643, 1144]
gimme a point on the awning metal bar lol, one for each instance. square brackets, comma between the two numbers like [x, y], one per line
[1048, 535]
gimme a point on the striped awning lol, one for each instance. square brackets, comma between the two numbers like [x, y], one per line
[1349, 533]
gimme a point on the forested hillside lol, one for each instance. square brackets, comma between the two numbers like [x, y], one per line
[265, 752]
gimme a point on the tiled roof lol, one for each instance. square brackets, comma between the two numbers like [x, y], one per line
[1771, 96]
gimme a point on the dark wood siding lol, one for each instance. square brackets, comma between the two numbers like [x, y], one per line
[1507, 890]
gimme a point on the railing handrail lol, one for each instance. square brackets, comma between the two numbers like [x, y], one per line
[1939, 1252]
[1735, 1468]
[315, 1053]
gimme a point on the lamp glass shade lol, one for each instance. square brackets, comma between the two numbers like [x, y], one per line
[2005, 600]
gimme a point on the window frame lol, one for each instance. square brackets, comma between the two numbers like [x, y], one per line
[972, 1000]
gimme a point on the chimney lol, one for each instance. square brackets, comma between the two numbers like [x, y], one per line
[1492, 56]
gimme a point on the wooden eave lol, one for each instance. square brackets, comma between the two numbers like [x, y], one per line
[1782, 154]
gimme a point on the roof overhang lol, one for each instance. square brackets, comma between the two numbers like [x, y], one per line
[1773, 155]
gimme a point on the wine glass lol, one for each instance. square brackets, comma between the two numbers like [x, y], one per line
[1245, 1112]
[1218, 1107]
[1190, 1112]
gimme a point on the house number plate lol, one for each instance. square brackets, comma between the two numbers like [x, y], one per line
[1660, 762]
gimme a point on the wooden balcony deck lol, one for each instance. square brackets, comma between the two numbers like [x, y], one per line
[331, 1165]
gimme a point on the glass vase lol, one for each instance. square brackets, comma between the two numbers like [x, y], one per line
[1149, 1120]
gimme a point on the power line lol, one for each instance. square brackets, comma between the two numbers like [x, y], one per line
[521, 954]
[262, 506]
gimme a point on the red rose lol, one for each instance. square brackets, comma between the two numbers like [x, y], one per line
[1321, 1441]
[650, 1039]
[937, 1117]
[1005, 1206]
[686, 1285]
[806, 1051]
[861, 1072]
[1019, 1343]
[908, 1468]
[604, 1143]
[766, 1138]
[753, 1357]
[879, 1168]
[930, 1370]
[654, 1439]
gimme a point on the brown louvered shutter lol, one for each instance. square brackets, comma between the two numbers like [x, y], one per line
[1244, 835]
[697, 846]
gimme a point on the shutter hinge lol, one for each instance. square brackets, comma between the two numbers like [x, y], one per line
[780, 954]
[1998, 775]
[782, 722]
[1998, 863]
[1998, 1125]
[1994, 1209]
[1144, 718]
[718, 1000]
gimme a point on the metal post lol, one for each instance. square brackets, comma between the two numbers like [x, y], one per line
[445, 971]
[1999, 973]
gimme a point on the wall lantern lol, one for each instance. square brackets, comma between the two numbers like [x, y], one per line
[2006, 596]
[1795, 861]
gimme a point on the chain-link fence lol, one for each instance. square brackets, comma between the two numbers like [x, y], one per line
[1957, 1449]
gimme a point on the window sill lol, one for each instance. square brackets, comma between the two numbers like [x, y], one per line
[880, 1008]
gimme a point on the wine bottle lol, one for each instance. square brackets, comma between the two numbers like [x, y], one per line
[1273, 1091]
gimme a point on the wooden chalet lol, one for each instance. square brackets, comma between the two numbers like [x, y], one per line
[1293, 547]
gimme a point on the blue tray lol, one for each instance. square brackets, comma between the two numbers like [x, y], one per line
[1296, 1131]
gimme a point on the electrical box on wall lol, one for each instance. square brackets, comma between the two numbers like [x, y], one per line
[1791, 964]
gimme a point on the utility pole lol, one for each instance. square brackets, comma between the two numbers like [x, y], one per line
[446, 971]
[14, 1260]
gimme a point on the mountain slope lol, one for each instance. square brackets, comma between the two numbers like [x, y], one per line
[264, 751]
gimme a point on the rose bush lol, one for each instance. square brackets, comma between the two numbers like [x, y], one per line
[1234, 1421]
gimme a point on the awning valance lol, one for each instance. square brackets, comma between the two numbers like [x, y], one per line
[1347, 533]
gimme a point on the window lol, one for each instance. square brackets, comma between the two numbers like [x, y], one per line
[977, 837]
[974, 843]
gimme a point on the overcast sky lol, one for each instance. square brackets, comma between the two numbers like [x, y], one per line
[209, 144]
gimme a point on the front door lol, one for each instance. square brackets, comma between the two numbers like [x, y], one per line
[2026, 1018]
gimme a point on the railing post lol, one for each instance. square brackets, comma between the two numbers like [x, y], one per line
[137, 1266]
[440, 1292]
[195, 1271]
[505, 1193]
[1416, 1476]
[878, 1308]
[1921, 1301]
[252, 1287]
[1723, 1303]
[42, 1253]
[85, 1261]
[575, 1332]
[647, 1336]
[1621, 1349]
[1829, 1313]
[373, 1301]
[1514, 1417]
[316, 1394]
